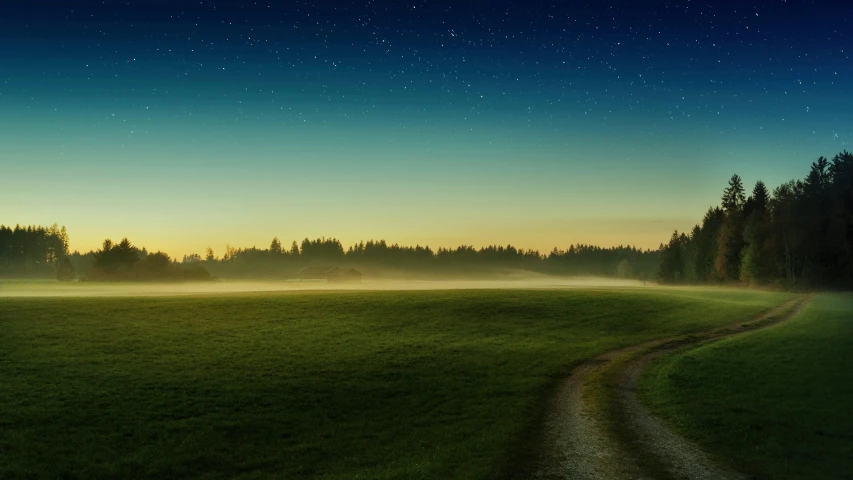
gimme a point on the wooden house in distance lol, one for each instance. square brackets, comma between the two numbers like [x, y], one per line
[330, 274]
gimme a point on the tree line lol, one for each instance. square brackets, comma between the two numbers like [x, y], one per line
[38, 252]
[378, 258]
[798, 236]
[32, 251]
[43, 251]
[125, 262]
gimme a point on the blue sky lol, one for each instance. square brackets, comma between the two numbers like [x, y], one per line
[188, 124]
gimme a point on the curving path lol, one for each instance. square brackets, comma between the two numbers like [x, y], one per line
[580, 441]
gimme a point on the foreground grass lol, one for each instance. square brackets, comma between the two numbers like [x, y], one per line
[334, 385]
[774, 403]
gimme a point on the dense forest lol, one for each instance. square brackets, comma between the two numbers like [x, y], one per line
[32, 251]
[37, 251]
[801, 235]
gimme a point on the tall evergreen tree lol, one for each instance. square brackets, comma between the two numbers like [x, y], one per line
[755, 258]
[840, 231]
[733, 195]
[730, 239]
[275, 246]
[814, 211]
[672, 260]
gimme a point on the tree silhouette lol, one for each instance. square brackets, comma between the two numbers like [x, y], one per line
[275, 246]
[672, 259]
[730, 239]
[755, 256]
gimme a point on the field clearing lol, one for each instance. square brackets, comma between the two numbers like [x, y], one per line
[334, 385]
[773, 403]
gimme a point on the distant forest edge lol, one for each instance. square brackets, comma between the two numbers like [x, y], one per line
[41, 252]
[801, 235]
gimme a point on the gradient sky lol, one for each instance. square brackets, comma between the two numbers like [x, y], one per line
[188, 124]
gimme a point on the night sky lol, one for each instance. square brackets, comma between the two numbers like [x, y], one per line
[188, 124]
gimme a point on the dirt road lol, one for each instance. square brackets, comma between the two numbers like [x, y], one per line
[597, 429]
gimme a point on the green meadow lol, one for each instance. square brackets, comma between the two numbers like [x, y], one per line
[333, 385]
[774, 403]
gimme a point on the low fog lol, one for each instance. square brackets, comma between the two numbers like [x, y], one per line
[43, 288]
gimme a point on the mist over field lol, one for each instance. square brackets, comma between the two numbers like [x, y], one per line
[40, 288]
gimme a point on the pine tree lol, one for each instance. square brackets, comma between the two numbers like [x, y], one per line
[275, 246]
[760, 196]
[754, 256]
[672, 260]
[730, 240]
[733, 195]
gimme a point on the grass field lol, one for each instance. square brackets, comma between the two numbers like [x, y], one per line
[774, 403]
[332, 385]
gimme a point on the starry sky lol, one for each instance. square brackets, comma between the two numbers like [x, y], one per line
[188, 124]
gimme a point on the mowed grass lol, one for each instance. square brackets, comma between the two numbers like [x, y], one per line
[332, 385]
[774, 403]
